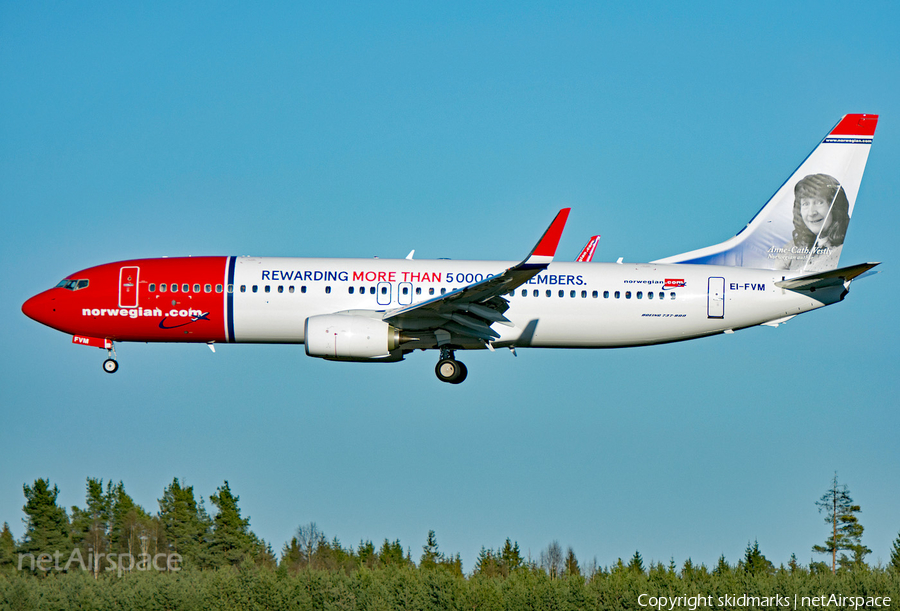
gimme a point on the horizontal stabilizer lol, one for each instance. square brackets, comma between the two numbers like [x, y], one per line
[821, 280]
[778, 321]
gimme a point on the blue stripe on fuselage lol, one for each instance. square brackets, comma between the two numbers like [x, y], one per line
[229, 313]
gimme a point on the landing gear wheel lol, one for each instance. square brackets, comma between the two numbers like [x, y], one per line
[450, 371]
[463, 372]
[110, 366]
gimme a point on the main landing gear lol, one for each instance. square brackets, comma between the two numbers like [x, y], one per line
[449, 369]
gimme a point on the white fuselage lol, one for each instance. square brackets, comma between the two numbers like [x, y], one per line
[568, 305]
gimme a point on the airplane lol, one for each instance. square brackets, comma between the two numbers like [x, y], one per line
[784, 262]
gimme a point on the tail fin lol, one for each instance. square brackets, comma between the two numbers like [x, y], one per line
[804, 224]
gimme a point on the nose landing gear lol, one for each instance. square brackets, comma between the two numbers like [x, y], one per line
[110, 365]
[448, 369]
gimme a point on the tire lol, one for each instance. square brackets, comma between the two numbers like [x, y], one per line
[110, 366]
[450, 371]
[447, 370]
[463, 372]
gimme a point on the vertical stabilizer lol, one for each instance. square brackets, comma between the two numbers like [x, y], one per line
[803, 226]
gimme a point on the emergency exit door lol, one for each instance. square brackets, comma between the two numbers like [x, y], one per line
[383, 296]
[716, 298]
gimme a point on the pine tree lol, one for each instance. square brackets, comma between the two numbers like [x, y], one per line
[894, 563]
[90, 526]
[636, 564]
[487, 563]
[291, 557]
[722, 567]
[365, 552]
[131, 529]
[571, 564]
[185, 524]
[231, 541]
[264, 555]
[391, 553]
[510, 557]
[431, 557]
[755, 562]
[846, 531]
[332, 555]
[453, 564]
[7, 547]
[818, 568]
[658, 571]
[46, 524]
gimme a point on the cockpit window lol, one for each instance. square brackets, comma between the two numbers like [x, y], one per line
[72, 285]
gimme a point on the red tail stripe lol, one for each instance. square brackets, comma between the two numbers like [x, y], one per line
[856, 125]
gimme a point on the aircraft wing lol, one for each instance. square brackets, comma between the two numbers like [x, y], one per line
[471, 310]
[825, 279]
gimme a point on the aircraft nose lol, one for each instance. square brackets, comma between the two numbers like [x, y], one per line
[39, 307]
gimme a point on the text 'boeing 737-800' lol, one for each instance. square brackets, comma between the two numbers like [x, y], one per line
[783, 263]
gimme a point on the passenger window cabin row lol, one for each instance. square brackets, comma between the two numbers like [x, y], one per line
[350, 290]
[165, 287]
[524, 292]
[596, 294]
[208, 288]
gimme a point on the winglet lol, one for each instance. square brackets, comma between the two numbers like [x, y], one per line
[587, 253]
[478, 299]
[543, 252]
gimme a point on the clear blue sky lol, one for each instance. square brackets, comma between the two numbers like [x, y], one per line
[142, 130]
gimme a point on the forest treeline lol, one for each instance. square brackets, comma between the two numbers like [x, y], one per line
[405, 587]
[113, 554]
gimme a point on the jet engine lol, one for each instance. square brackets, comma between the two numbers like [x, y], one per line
[344, 336]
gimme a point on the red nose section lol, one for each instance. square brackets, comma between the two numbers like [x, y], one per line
[40, 308]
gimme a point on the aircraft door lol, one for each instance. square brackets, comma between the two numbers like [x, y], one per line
[383, 293]
[716, 298]
[404, 293]
[128, 286]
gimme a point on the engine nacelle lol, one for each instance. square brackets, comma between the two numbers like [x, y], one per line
[348, 336]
